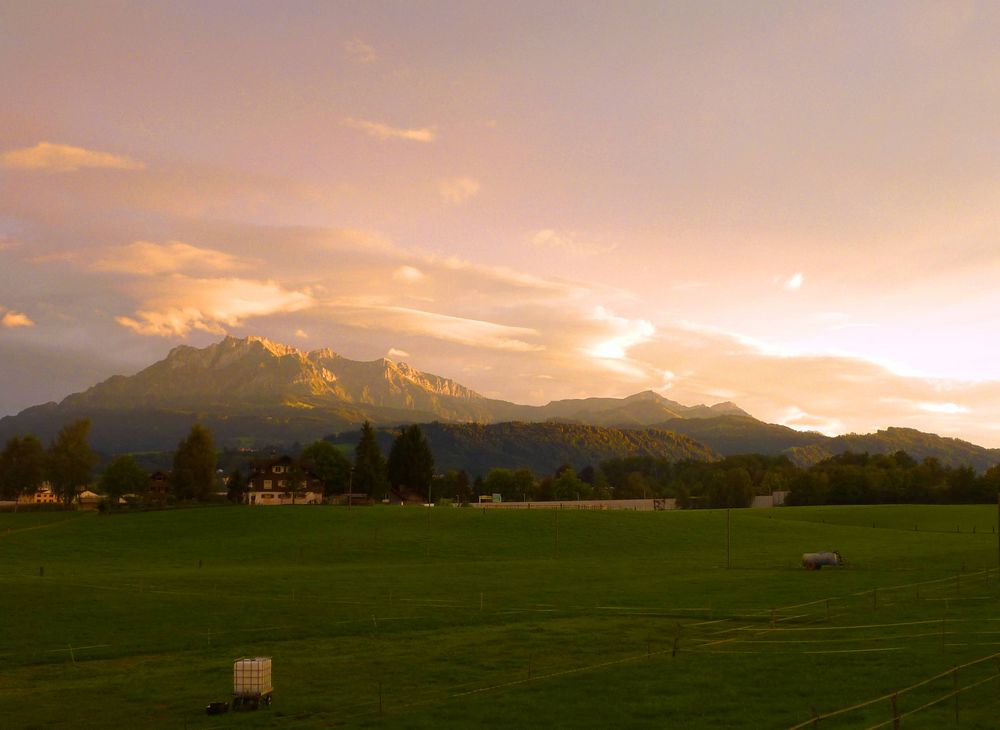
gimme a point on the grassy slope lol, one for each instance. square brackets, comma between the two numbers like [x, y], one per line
[345, 600]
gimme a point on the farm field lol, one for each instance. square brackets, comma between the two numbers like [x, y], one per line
[419, 618]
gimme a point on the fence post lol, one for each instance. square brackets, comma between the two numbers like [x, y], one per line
[895, 712]
[815, 722]
[772, 618]
[954, 674]
[729, 539]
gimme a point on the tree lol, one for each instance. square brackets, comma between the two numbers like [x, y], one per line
[22, 466]
[411, 463]
[452, 485]
[70, 460]
[369, 464]
[328, 463]
[236, 486]
[123, 476]
[569, 486]
[601, 488]
[194, 465]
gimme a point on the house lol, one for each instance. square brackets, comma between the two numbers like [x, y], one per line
[87, 500]
[158, 488]
[281, 481]
[42, 495]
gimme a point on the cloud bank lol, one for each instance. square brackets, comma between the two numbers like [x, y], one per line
[65, 158]
[384, 131]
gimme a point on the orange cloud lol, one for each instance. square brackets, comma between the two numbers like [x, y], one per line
[12, 319]
[65, 158]
[384, 131]
[209, 305]
[459, 330]
[147, 259]
[567, 241]
[458, 189]
[359, 51]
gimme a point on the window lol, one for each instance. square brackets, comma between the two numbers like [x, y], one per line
[267, 484]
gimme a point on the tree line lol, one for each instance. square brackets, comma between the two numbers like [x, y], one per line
[847, 478]
[408, 470]
[68, 466]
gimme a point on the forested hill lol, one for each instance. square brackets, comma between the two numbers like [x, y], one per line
[541, 447]
[730, 435]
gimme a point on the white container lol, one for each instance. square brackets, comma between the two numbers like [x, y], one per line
[252, 677]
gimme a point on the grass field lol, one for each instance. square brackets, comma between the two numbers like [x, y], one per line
[417, 618]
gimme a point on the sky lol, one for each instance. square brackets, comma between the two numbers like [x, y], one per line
[793, 206]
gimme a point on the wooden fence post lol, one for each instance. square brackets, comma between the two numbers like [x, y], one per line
[954, 674]
[895, 712]
[729, 539]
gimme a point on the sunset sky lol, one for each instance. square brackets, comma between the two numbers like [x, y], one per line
[791, 205]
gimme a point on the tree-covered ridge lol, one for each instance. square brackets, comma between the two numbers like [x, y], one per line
[734, 434]
[541, 447]
[863, 478]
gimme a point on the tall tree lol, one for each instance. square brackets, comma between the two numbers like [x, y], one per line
[194, 465]
[123, 476]
[70, 460]
[369, 464]
[411, 463]
[22, 466]
[236, 486]
[328, 463]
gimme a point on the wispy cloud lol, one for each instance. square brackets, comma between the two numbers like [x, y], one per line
[450, 328]
[393, 352]
[360, 52]
[945, 408]
[65, 158]
[458, 189]
[185, 304]
[384, 131]
[791, 283]
[408, 274]
[12, 319]
[626, 333]
[147, 259]
[567, 241]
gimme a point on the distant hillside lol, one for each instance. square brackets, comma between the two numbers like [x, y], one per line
[541, 447]
[253, 391]
[730, 435]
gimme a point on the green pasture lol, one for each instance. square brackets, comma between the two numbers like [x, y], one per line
[449, 617]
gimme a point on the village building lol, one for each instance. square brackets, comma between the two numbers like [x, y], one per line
[280, 481]
[42, 495]
[87, 500]
[158, 488]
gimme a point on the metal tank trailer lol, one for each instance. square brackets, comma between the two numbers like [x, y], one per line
[815, 561]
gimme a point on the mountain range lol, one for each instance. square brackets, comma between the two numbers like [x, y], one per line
[253, 391]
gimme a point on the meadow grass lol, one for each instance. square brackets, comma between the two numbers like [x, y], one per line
[461, 617]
